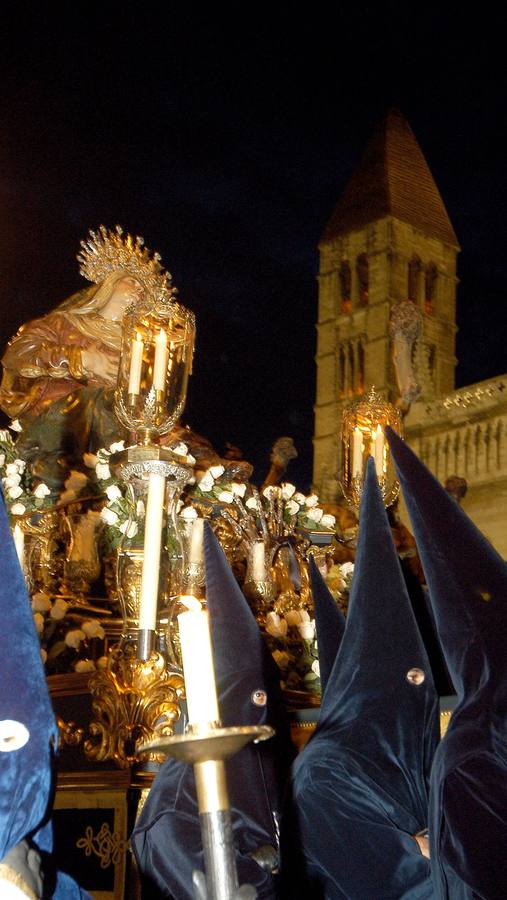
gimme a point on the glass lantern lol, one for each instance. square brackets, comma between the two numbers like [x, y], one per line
[155, 363]
[362, 436]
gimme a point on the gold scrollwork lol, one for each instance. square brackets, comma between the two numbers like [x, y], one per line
[70, 734]
[106, 844]
[133, 702]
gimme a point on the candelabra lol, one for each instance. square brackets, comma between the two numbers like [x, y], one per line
[362, 436]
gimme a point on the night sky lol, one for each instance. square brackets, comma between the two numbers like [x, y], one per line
[225, 136]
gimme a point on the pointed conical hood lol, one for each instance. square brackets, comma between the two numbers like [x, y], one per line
[25, 709]
[329, 623]
[467, 582]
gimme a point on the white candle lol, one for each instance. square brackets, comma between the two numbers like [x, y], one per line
[196, 549]
[198, 671]
[152, 545]
[19, 543]
[136, 362]
[378, 451]
[258, 561]
[357, 453]
[160, 365]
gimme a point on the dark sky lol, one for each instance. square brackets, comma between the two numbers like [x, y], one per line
[224, 135]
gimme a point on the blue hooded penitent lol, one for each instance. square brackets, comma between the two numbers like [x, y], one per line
[167, 839]
[360, 786]
[467, 583]
[329, 623]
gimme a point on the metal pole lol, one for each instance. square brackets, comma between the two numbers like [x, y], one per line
[216, 830]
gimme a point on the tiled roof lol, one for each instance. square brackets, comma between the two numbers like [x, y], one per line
[393, 178]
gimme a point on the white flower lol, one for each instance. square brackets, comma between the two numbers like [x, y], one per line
[73, 638]
[15, 492]
[41, 491]
[12, 480]
[102, 662]
[296, 616]
[292, 507]
[311, 500]
[15, 425]
[18, 509]
[102, 471]
[59, 610]
[5, 436]
[207, 481]
[316, 667]
[93, 629]
[216, 471]
[113, 492]
[315, 514]
[41, 602]
[269, 492]
[117, 447]
[276, 626]
[239, 490]
[2, 459]
[252, 503]
[299, 498]
[84, 665]
[281, 658]
[21, 464]
[140, 509]
[188, 513]
[328, 520]
[226, 497]
[12, 469]
[180, 449]
[288, 490]
[191, 460]
[43, 655]
[129, 529]
[109, 516]
[347, 569]
[90, 460]
[307, 630]
[39, 622]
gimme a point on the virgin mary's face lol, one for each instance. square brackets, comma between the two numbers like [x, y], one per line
[126, 290]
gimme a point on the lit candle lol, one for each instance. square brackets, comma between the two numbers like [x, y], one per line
[258, 561]
[378, 451]
[19, 543]
[357, 453]
[198, 670]
[136, 362]
[152, 545]
[160, 365]
[196, 549]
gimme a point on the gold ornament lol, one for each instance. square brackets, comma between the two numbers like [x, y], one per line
[108, 251]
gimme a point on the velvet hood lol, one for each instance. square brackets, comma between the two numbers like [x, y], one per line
[329, 623]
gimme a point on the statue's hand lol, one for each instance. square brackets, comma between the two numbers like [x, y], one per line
[100, 366]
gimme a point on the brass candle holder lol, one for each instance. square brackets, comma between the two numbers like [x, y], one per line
[362, 436]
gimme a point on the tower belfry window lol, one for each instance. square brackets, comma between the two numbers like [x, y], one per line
[430, 288]
[363, 280]
[414, 277]
[345, 277]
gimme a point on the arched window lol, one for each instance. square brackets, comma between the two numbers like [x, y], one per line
[362, 279]
[430, 288]
[414, 273]
[341, 372]
[345, 277]
[352, 370]
[360, 368]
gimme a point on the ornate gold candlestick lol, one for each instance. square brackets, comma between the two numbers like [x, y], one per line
[362, 436]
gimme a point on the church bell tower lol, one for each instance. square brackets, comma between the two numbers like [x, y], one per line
[389, 240]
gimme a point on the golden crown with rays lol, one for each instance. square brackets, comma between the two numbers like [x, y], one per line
[106, 251]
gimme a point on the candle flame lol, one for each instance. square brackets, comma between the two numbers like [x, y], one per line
[192, 603]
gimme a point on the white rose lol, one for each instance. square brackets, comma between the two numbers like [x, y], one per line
[269, 492]
[117, 447]
[93, 629]
[21, 464]
[188, 513]
[296, 616]
[17, 509]
[129, 529]
[43, 655]
[113, 492]
[73, 638]
[39, 622]
[41, 602]
[307, 630]
[288, 490]
[140, 510]
[191, 460]
[216, 471]
[59, 610]
[207, 481]
[41, 491]
[281, 658]
[239, 490]
[102, 471]
[109, 516]
[311, 500]
[12, 469]
[252, 503]
[15, 492]
[4, 435]
[90, 460]
[315, 514]
[347, 568]
[180, 449]
[276, 626]
[226, 497]
[15, 425]
[292, 507]
[299, 498]
[84, 665]
[328, 520]
[316, 667]
[12, 480]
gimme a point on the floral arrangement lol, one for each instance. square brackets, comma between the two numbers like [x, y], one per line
[69, 640]
[23, 494]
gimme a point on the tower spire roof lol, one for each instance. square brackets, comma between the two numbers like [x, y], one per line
[393, 178]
